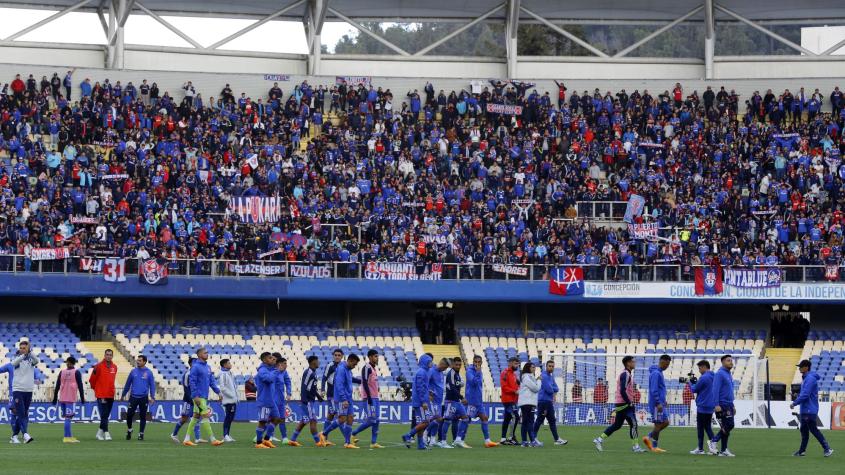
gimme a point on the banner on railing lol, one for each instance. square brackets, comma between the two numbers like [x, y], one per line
[644, 231]
[116, 176]
[49, 253]
[506, 109]
[256, 268]
[90, 264]
[323, 271]
[84, 220]
[752, 278]
[277, 77]
[510, 269]
[353, 80]
[114, 269]
[401, 271]
[256, 209]
[831, 272]
[153, 272]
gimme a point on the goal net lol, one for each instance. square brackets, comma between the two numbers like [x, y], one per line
[587, 387]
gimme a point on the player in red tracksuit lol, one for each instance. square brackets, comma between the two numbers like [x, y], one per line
[102, 381]
[509, 381]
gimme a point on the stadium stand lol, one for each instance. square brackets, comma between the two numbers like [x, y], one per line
[826, 351]
[169, 346]
[590, 342]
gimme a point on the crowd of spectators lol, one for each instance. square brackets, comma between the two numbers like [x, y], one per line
[367, 174]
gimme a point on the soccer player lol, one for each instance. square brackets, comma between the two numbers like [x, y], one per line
[455, 412]
[268, 412]
[420, 403]
[8, 368]
[187, 409]
[201, 380]
[228, 396]
[369, 393]
[509, 382]
[283, 392]
[723, 392]
[309, 396]
[546, 402]
[102, 382]
[704, 404]
[624, 410]
[808, 399]
[343, 381]
[143, 389]
[68, 385]
[475, 403]
[657, 403]
[435, 387]
[328, 394]
[23, 385]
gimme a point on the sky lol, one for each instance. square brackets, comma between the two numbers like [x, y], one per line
[76, 27]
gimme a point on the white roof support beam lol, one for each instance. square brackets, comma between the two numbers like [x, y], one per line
[368, 32]
[658, 32]
[130, 4]
[169, 26]
[49, 19]
[709, 38]
[102, 18]
[833, 48]
[511, 35]
[765, 31]
[315, 17]
[460, 30]
[570, 36]
[255, 25]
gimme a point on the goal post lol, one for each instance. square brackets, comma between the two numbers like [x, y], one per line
[587, 386]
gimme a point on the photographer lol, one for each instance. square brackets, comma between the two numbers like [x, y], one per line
[705, 401]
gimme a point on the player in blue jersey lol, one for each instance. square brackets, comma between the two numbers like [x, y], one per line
[704, 404]
[343, 381]
[420, 403]
[309, 396]
[370, 395]
[808, 401]
[435, 387]
[657, 403]
[268, 411]
[455, 412]
[187, 410]
[8, 368]
[723, 393]
[475, 403]
[282, 394]
[328, 394]
[546, 403]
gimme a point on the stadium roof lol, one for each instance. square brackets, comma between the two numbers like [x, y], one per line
[416, 10]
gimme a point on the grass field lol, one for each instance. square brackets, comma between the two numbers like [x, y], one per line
[756, 451]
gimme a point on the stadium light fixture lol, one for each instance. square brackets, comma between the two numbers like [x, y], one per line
[775, 308]
[106, 300]
[449, 305]
[439, 305]
[785, 308]
[98, 300]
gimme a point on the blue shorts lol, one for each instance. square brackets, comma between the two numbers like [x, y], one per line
[475, 410]
[658, 416]
[283, 412]
[310, 412]
[267, 413]
[373, 409]
[436, 410]
[349, 411]
[68, 409]
[454, 410]
[423, 415]
[332, 408]
[187, 409]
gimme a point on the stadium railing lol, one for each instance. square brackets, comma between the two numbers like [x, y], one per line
[664, 272]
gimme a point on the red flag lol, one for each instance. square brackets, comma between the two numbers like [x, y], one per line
[566, 281]
[708, 281]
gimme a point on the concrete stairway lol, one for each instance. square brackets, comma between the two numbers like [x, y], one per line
[444, 351]
[782, 363]
[98, 348]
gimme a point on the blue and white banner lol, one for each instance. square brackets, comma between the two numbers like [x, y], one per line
[752, 278]
[636, 205]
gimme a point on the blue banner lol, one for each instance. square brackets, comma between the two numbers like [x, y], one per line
[390, 412]
[636, 205]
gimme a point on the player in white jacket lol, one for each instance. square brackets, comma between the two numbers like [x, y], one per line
[228, 396]
[529, 387]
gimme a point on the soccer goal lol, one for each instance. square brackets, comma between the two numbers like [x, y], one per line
[587, 387]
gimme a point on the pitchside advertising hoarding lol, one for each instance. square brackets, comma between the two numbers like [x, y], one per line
[775, 414]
